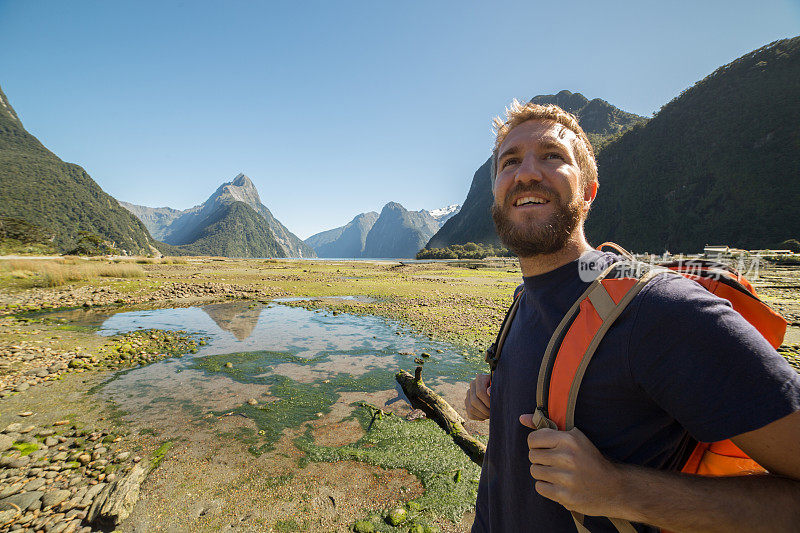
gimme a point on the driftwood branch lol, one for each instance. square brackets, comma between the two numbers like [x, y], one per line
[422, 397]
[115, 502]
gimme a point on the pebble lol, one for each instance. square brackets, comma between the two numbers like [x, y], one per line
[25, 413]
[35, 484]
[19, 462]
[54, 497]
[25, 501]
[12, 428]
[5, 443]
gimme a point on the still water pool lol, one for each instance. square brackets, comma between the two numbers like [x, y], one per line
[274, 364]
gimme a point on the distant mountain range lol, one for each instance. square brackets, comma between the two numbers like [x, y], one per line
[600, 120]
[60, 198]
[395, 233]
[232, 222]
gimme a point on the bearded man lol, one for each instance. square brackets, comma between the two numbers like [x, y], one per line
[678, 367]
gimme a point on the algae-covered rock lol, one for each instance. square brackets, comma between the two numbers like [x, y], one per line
[416, 528]
[397, 516]
[363, 526]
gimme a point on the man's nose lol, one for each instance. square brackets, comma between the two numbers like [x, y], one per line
[529, 169]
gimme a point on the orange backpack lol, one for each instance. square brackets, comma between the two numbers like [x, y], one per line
[579, 333]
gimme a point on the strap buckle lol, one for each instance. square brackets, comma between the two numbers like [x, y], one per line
[541, 421]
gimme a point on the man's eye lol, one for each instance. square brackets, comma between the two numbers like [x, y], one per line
[509, 161]
[553, 155]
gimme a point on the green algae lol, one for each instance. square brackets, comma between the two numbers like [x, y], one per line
[292, 403]
[159, 453]
[25, 448]
[421, 448]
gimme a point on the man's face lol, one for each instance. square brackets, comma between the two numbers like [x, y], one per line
[538, 198]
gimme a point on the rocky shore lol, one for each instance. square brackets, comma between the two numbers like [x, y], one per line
[61, 479]
[88, 296]
[27, 364]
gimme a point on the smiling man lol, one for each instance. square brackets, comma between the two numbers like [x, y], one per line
[678, 367]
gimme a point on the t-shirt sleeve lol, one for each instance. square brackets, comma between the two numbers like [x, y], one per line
[704, 364]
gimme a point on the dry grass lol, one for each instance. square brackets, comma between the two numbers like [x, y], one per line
[57, 272]
[152, 260]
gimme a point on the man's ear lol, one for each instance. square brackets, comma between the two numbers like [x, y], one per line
[590, 193]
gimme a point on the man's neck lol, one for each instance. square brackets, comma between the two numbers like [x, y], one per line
[541, 264]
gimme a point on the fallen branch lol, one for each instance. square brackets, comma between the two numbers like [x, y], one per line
[422, 397]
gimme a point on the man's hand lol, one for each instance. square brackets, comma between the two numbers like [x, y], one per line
[477, 400]
[570, 470]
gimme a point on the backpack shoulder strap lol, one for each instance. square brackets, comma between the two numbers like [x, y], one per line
[493, 352]
[577, 337]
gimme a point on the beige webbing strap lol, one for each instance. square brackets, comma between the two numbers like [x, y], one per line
[602, 301]
[623, 526]
[608, 321]
[558, 334]
[578, 519]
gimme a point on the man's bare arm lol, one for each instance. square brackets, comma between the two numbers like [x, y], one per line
[570, 470]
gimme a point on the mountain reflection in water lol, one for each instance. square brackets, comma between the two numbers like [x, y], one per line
[239, 318]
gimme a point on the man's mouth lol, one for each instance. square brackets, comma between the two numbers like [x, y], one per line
[529, 200]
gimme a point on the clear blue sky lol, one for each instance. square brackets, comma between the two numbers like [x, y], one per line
[335, 108]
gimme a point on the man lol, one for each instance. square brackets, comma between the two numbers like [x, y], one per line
[679, 366]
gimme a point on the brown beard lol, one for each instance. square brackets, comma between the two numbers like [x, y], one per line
[533, 239]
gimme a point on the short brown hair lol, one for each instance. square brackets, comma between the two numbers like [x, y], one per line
[517, 113]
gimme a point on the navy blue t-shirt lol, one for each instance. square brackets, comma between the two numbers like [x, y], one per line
[678, 366]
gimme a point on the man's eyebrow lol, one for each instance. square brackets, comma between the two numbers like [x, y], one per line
[510, 151]
[548, 142]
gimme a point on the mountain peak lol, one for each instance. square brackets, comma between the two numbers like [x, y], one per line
[241, 180]
[393, 206]
[566, 100]
[240, 189]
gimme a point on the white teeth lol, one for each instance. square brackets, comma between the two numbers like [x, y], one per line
[530, 200]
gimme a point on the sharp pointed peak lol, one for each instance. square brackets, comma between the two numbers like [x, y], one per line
[241, 179]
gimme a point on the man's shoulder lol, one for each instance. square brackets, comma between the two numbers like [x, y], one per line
[669, 291]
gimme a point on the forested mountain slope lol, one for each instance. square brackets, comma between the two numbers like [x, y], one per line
[718, 164]
[61, 198]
